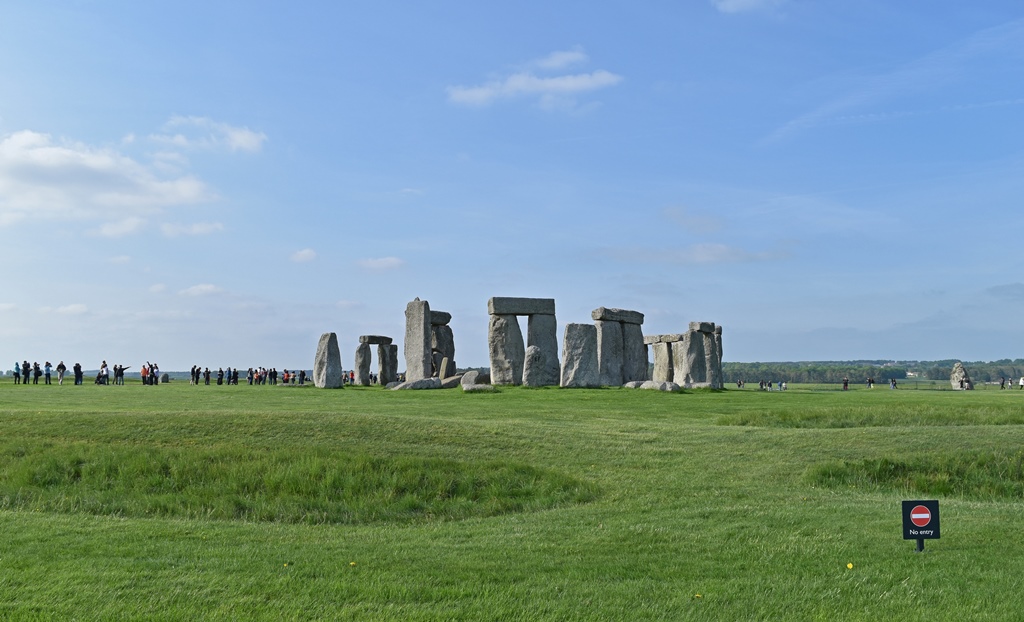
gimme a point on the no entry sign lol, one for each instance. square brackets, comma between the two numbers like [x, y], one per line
[920, 521]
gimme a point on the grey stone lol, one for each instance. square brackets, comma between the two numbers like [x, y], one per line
[633, 384]
[959, 374]
[327, 364]
[470, 377]
[451, 381]
[417, 340]
[415, 385]
[609, 352]
[647, 358]
[652, 385]
[392, 384]
[634, 353]
[440, 318]
[165, 378]
[375, 340]
[713, 364]
[542, 331]
[662, 362]
[442, 342]
[617, 315]
[387, 363]
[520, 306]
[718, 348]
[443, 369]
[362, 365]
[479, 388]
[702, 327]
[505, 343]
[650, 340]
[689, 366]
[533, 367]
[579, 356]
[483, 378]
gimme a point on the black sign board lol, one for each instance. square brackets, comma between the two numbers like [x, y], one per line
[920, 521]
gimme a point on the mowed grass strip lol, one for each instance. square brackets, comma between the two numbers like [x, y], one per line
[313, 486]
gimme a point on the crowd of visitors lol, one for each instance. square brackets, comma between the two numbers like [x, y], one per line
[150, 374]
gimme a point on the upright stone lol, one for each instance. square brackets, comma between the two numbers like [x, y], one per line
[362, 365]
[609, 352]
[442, 342]
[417, 340]
[505, 344]
[327, 364]
[443, 369]
[718, 346]
[579, 356]
[542, 331]
[959, 378]
[689, 368]
[662, 362]
[634, 353]
[534, 367]
[387, 363]
[712, 363]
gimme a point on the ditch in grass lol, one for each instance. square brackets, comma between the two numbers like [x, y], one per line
[259, 486]
[979, 475]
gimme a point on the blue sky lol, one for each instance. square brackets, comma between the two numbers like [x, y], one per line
[220, 182]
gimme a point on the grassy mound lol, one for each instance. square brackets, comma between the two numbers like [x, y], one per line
[981, 475]
[311, 487]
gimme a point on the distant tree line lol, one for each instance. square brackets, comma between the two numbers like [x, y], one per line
[860, 371]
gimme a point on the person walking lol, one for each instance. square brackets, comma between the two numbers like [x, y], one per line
[61, 369]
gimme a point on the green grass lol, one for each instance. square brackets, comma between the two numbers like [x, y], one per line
[179, 502]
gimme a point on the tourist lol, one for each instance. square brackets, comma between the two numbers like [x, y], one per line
[206, 376]
[46, 372]
[145, 373]
[61, 368]
[17, 372]
[26, 368]
[302, 376]
[846, 383]
[78, 373]
[36, 372]
[220, 375]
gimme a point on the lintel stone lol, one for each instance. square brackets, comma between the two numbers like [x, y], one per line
[703, 327]
[617, 315]
[440, 318]
[375, 340]
[521, 306]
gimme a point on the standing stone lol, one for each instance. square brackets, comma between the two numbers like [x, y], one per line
[534, 372]
[634, 353]
[662, 362]
[505, 343]
[647, 357]
[442, 342]
[718, 346]
[417, 340]
[443, 369]
[327, 364]
[387, 363]
[712, 362]
[579, 356]
[688, 362]
[542, 331]
[362, 366]
[959, 379]
[609, 351]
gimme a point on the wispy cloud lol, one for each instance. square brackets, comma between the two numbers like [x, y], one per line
[204, 289]
[119, 228]
[306, 254]
[382, 263]
[73, 309]
[696, 254]
[742, 6]
[548, 90]
[199, 228]
[188, 132]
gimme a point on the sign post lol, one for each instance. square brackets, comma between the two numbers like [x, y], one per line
[921, 521]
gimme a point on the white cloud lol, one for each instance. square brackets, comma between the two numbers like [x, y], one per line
[382, 263]
[306, 254]
[740, 6]
[551, 91]
[119, 228]
[199, 228]
[204, 133]
[157, 288]
[204, 289]
[49, 179]
[73, 309]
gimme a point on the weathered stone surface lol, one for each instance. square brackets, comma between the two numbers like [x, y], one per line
[712, 363]
[443, 369]
[483, 378]
[650, 340]
[442, 341]
[470, 377]
[609, 352]
[375, 340]
[633, 384]
[662, 362]
[392, 384]
[702, 327]
[960, 374]
[617, 315]
[414, 385]
[505, 344]
[634, 353]
[479, 388]
[451, 381]
[689, 368]
[387, 363]
[417, 340]
[440, 318]
[579, 356]
[533, 367]
[542, 331]
[165, 378]
[718, 347]
[667, 338]
[327, 364]
[647, 358]
[653, 385]
[362, 365]
[520, 306]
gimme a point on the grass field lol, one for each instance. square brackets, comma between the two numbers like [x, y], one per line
[178, 502]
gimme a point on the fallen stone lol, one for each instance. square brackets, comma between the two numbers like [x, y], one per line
[451, 381]
[415, 385]
[609, 352]
[521, 306]
[440, 318]
[327, 364]
[375, 340]
[470, 377]
[579, 356]
[417, 340]
[392, 385]
[617, 315]
[479, 388]
[633, 384]
[505, 344]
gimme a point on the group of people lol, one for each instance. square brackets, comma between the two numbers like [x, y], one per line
[257, 376]
[22, 372]
[1007, 383]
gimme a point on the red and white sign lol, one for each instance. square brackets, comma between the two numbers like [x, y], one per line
[920, 516]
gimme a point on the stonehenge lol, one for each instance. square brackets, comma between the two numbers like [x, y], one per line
[428, 341]
[621, 355]
[387, 360]
[691, 359]
[505, 341]
[959, 379]
[579, 357]
[327, 364]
